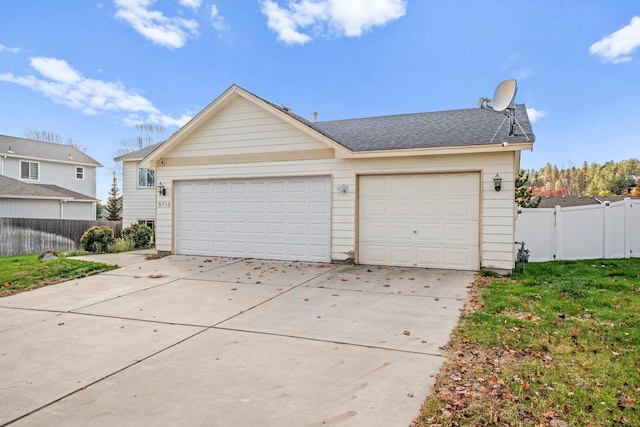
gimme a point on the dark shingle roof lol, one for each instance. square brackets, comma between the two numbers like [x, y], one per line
[28, 148]
[13, 188]
[473, 126]
[138, 154]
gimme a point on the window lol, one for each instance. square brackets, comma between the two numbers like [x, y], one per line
[79, 172]
[30, 170]
[148, 222]
[146, 177]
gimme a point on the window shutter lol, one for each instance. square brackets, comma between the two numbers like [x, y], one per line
[24, 170]
[33, 173]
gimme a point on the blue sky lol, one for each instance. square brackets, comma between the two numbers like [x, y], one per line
[89, 70]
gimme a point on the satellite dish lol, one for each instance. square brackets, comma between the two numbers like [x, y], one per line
[503, 103]
[505, 94]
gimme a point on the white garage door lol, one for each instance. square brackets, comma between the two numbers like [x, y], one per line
[279, 218]
[428, 220]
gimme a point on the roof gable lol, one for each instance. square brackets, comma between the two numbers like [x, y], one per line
[45, 151]
[236, 95]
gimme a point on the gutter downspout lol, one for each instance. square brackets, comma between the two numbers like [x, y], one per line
[62, 202]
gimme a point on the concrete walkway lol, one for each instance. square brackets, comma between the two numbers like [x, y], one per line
[227, 342]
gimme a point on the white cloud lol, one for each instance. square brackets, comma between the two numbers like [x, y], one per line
[154, 25]
[535, 115]
[4, 48]
[618, 46]
[217, 21]
[293, 22]
[193, 4]
[64, 85]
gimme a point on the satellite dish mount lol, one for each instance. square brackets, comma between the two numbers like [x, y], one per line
[503, 102]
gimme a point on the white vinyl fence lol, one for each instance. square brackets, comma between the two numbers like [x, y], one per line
[581, 232]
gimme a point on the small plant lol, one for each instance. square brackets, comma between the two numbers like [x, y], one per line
[120, 245]
[139, 235]
[97, 239]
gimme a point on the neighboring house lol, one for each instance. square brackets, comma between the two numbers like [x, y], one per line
[138, 188]
[248, 178]
[567, 201]
[46, 180]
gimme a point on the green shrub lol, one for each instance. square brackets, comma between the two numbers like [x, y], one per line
[97, 239]
[140, 235]
[120, 245]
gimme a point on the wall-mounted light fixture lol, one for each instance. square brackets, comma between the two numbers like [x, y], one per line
[343, 188]
[497, 182]
[162, 190]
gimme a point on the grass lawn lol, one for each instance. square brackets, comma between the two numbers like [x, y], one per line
[25, 272]
[557, 345]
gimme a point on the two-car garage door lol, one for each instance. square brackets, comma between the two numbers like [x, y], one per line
[267, 218]
[422, 220]
[427, 220]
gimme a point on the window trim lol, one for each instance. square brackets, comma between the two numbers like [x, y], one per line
[29, 162]
[152, 186]
[82, 173]
[144, 221]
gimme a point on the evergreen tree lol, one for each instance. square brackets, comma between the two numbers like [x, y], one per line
[524, 193]
[113, 207]
[99, 211]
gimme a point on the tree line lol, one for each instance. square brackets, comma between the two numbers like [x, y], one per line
[610, 178]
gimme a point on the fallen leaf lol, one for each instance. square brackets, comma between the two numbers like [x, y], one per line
[344, 279]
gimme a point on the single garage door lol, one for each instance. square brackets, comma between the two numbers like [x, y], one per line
[428, 220]
[279, 218]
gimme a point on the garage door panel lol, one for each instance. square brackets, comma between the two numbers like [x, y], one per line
[401, 207]
[426, 220]
[296, 208]
[276, 218]
[401, 254]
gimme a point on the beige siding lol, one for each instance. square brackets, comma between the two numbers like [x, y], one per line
[242, 127]
[137, 202]
[497, 208]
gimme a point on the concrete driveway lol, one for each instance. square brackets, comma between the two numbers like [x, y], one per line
[227, 342]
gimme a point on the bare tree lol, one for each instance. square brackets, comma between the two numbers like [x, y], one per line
[148, 134]
[53, 137]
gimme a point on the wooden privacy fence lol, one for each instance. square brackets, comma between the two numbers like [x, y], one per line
[28, 235]
[581, 232]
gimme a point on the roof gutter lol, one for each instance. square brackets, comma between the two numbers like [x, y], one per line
[437, 151]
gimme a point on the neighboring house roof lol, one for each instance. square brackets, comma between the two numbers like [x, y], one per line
[138, 154]
[566, 201]
[23, 148]
[15, 189]
[432, 132]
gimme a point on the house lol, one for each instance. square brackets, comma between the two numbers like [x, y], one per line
[138, 188]
[249, 178]
[46, 180]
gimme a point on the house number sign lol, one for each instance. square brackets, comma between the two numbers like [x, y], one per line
[164, 204]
